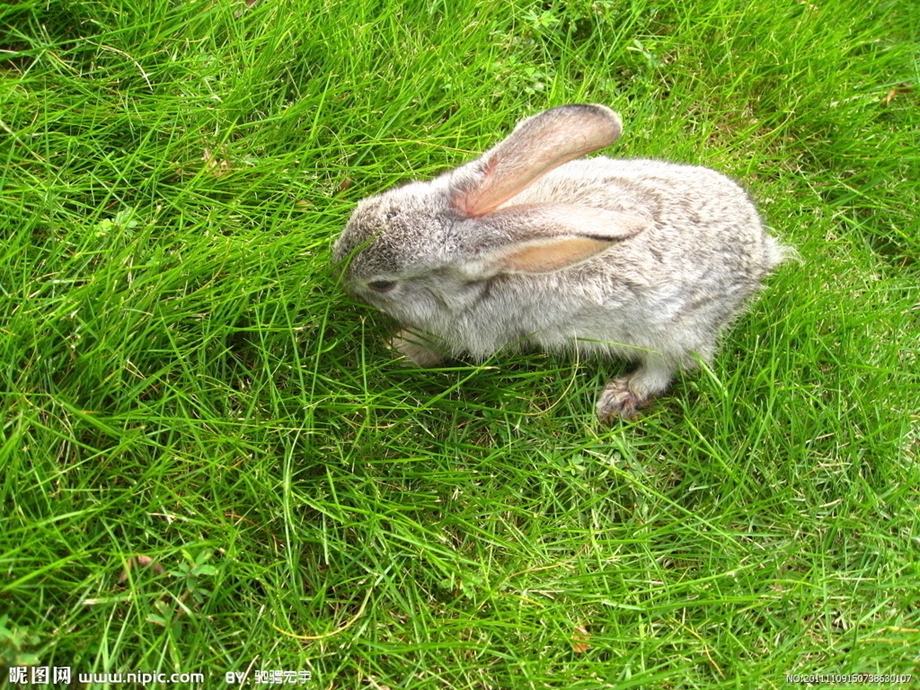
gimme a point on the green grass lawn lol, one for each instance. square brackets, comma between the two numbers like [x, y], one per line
[212, 463]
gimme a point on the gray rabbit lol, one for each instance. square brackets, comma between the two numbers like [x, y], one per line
[637, 259]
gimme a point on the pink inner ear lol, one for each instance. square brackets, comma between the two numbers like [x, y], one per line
[508, 172]
[536, 146]
[552, 255]
[476, 201]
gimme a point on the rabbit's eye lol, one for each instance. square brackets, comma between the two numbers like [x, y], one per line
[382, 285]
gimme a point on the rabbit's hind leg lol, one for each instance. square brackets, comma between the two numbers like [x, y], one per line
[623, 396]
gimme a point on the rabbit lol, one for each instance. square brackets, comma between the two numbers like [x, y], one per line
[531, 245]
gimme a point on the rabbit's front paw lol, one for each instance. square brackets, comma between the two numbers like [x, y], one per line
[409, 346]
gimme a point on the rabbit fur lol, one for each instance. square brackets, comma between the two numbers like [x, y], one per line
[642, 260]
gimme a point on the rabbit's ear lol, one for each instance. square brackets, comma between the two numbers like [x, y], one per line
[543, 238]
[536, 146]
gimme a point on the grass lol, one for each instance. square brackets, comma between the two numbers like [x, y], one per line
[207, 450]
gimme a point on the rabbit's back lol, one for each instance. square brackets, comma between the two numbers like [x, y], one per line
[700, 220]
[673, 286]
